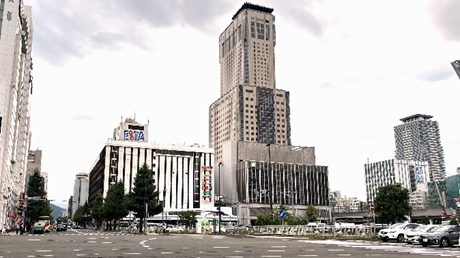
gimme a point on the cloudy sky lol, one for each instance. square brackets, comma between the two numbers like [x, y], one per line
[353, 68]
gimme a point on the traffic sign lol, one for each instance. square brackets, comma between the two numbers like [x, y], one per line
[372, 207]
[282, 213]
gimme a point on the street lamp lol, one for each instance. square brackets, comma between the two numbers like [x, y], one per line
[220, 199]
[270, 179]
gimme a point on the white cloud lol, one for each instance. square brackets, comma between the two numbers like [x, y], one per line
[353, 68]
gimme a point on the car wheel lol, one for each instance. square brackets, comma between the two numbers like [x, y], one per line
[424, 245]
[384, 239]
[444, 242]
[400, 238]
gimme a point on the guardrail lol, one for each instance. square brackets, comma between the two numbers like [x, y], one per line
[301, 230]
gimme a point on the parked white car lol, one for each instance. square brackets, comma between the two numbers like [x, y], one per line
[396, 231]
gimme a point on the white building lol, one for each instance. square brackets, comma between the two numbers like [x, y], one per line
[16, 37]
[183, 175]
[80, 192]
[413, 175]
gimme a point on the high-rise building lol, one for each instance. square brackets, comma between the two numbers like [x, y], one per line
[250, 128]
[250, 108]
[16, 37]
[80, 191]
[418, 138]
[456, 65]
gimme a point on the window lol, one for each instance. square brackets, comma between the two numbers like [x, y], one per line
[260, 31]
[253, 30]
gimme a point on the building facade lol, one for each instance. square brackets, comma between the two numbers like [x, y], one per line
[250, 108]
[413, 175]
[80, 192]
[16, 37]
[183, 175]
[418, 138]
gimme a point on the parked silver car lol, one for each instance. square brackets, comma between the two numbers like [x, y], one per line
[412, 236]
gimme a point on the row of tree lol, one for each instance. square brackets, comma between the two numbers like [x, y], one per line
[143, 197]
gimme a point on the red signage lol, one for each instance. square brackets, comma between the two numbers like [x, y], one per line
[372, 207]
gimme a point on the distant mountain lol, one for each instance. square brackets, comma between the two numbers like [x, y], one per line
[56, 211]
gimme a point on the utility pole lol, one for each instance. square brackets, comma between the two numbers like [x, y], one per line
[220, 199]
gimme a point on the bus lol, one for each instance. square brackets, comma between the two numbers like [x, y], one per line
[46, 221]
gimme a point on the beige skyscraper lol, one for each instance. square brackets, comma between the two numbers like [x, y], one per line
[250, 107]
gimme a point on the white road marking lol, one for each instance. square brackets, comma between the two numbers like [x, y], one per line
[275, 250]
[234, 256]
[308, 255]
[131, 253]
[343, 254]
[43, 251]
[115, 249]
[166, 252]
[335, 250]
[33, 239]
[107, 242]
[92, 242]
[278, 246]
[220, 247]
[271, 256]
[76, 250]
[92, 238]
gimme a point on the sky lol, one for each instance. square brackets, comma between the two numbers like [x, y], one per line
[353, 69]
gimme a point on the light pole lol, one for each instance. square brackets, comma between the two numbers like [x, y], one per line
[270, 179]
[220, 199]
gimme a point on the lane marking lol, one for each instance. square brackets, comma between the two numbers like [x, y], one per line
[335, 250]
[276, 250]
[131, 253]
[166, 252]
[220, 247]
[76, 250]
[271, 256]
[43, 251]
[34, 239]
[278, 246]
[107, 242]
[343, 254]
[308, 255]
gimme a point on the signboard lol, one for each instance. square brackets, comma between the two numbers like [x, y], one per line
[133, 135]
[372, 207]
[282, 213]
[419, 175]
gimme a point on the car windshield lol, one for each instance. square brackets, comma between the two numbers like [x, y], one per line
[397, 225]
[443, 229]
[432, 229]
[422, 228]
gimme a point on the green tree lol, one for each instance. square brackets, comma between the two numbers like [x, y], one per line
[78, 216]
[188, 218]
[311, 213]
[97, 211]
[144, 195]
[392, 203]
[37, 208]
[115, 206]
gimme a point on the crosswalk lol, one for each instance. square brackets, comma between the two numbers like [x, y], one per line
[392, 247]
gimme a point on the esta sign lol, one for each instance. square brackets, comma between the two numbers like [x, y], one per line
[133, 135]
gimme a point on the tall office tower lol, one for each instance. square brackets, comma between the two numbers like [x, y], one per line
[80, 191]
[456, 65]
[16, 37]
[250, 108]
[419, 139]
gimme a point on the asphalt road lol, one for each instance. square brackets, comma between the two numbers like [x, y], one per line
[106, 244]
